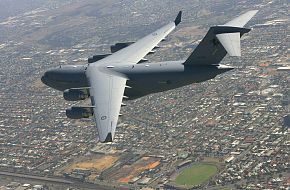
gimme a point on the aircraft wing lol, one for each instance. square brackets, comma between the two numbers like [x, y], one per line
[107, 87]
[136, 51]
[106, 92]
[220, 41]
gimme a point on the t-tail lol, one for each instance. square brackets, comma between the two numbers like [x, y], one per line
[229, 34]
[221, 40]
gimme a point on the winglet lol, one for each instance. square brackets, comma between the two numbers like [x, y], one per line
[178, 18]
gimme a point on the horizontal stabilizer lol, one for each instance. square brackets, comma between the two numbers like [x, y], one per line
[231, 42]
[218, 41]
[242, 20]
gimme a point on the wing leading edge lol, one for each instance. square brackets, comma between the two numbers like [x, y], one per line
[107, 87]
[138, 50]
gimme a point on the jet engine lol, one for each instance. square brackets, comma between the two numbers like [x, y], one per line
[79, 112]
[119, 46]
[75, 94]
[96, 58]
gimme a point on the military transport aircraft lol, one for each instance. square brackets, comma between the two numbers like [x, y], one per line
[109, 79]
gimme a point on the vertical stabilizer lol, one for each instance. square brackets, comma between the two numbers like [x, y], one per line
[221, 40]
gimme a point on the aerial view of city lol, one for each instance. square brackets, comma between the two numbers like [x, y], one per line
[230, 132]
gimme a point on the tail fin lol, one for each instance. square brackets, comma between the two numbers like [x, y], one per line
[230, 38]
[232, 41]
[221, 40]
[242, 20]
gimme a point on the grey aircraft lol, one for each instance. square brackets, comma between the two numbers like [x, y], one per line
[110, 79]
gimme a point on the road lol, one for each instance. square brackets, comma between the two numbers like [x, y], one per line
[71, 183]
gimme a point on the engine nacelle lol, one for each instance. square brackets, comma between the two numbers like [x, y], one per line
[79, 112]
[119, 46]
[96, 58]
[76, 94]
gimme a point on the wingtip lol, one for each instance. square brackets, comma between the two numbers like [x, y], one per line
[178, 18]
[254, 12]
[109, 138]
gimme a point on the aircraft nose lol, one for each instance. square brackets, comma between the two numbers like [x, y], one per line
[44, 78]
[52, 75]
[48, 76]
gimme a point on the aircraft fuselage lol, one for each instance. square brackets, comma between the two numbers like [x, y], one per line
[143, 79]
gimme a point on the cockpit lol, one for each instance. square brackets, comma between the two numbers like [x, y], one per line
[65, 77]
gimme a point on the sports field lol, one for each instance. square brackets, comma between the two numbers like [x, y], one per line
[196, 174]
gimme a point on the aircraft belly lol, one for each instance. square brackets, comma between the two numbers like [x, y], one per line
[147, 83]
[153, 83]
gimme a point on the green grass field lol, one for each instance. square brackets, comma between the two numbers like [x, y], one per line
[196, 175]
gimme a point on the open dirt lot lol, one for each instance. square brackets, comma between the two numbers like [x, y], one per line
[128, 172]
[95, 164]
